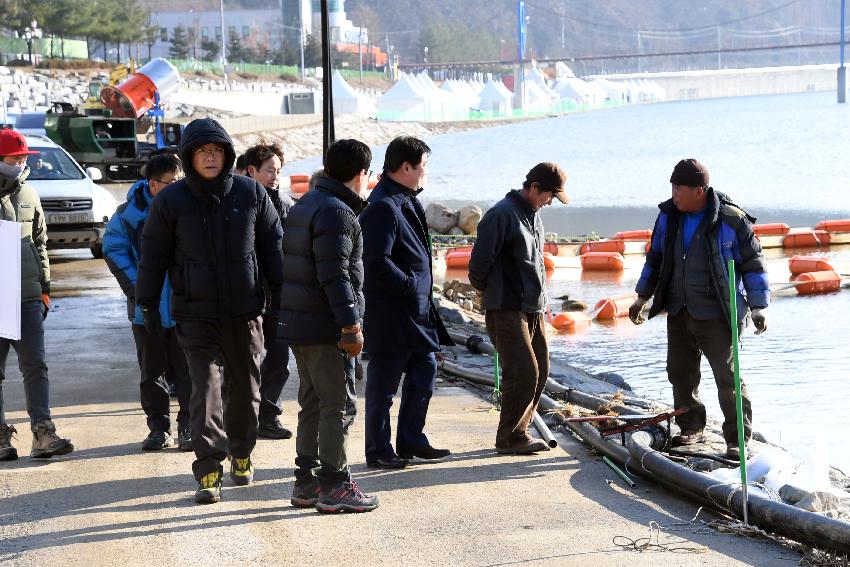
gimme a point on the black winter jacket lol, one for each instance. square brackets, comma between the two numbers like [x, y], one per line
[322, 288]
[507, 259]
[212, 237]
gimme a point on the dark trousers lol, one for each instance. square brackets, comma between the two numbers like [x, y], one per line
[274, 372]
[30, 351]
[383, 375]
[161, 356]
[524, 356]
[687, 340]
[233, 429]
[326, 382]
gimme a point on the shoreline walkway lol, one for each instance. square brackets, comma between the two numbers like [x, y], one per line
[108, 503]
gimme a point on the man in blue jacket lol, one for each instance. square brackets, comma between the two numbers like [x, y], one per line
[213, 232]
[696, 233]
[159, 354]
[402, 327]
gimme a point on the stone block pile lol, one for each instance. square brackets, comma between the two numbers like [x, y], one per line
[445, 220]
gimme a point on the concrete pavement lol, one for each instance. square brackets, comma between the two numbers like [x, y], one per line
[108, 503]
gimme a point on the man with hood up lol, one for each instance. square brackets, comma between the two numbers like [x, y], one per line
[214, 233]
[20, 203]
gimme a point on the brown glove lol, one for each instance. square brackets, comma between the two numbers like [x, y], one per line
[351, 341]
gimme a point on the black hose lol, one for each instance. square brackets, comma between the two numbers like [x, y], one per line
[794, 523]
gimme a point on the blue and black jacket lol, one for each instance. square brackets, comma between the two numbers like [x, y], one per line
[729, 235]
[122, 244]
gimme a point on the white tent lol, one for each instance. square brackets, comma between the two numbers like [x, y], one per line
[347, 100]
[579, 91]
[614, 92]
[563, 72]
[496, 98]
[403, 102]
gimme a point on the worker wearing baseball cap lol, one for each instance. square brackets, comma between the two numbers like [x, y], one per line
[20, 203]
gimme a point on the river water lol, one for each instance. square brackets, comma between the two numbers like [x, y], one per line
[783, 158]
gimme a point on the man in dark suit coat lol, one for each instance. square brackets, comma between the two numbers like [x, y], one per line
[401, 325]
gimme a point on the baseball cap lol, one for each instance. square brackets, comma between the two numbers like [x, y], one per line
[551, 177]
[13, 144]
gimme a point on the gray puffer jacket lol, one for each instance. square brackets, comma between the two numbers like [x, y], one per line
[507, 259]
[20, 203]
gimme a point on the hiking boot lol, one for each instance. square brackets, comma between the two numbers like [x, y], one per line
[241, 471]
[7, 452]
[157, 441]
[687, 437]
[733, 451]
[273, 430]
[209, 488]
[345, 497]
[524, 446]
[184, 437]
[45, 442]
[305, 494]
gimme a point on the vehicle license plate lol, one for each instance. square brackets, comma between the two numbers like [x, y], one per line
[67, 218]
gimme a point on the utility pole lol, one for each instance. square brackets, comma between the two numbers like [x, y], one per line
[719, 44]
[301, 38]
[640, 51]
[360, 50]
[842, 71]
[563, 24]
[519, 95]
[223, 41]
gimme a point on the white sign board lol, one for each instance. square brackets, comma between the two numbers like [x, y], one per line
[10, 280]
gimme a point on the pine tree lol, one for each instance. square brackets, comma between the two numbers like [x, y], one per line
[179, 43]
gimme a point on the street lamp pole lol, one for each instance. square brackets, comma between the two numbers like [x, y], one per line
[842, 71]
[223, 40]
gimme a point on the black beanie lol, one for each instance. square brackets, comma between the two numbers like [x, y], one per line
[690, 172]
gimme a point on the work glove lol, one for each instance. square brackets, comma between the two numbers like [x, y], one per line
[153, 322]
[351, 341]
[759, 320]
[45, 299]
[636, 311]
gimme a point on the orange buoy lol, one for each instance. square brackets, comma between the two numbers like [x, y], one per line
[458, 257]
[613, 307]
[551, 248]
[299, 178]
[806, 238]
[771, 229]
[548, 261]
[834, 225]
[569, 321]
[817, 282]
[299, 187]
[803, 264]
[647, 246]
[603, 246]
[645, 234]
[603, 261]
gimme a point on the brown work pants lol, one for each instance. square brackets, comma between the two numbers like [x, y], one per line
[524, 356]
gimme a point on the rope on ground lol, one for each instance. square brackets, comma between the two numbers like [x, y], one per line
[653, 542]
[811, 557]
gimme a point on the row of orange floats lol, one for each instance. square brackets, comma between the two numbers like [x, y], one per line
[300, 183]
[818, 237]
[458, 258]
[606, 309]
[813, 274]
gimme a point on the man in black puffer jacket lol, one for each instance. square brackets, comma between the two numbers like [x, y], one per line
[213, 232]
[320, 315]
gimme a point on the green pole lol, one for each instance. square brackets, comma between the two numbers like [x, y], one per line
[497, 379]
[742, 445]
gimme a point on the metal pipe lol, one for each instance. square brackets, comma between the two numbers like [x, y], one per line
[544, 430]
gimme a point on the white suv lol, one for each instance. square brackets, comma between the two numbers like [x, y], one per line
[75, 208]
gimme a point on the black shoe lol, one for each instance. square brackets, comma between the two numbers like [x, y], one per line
[305, 494]
[345, 497]
[273, 430]
[157, 441]
[184, 437]
[427, 452]
[7, 452]
[388, 462]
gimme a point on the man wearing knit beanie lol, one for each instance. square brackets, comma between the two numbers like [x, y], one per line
[696, 233]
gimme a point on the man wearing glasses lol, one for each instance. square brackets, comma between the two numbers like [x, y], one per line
[158, 353]
[214, 233]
